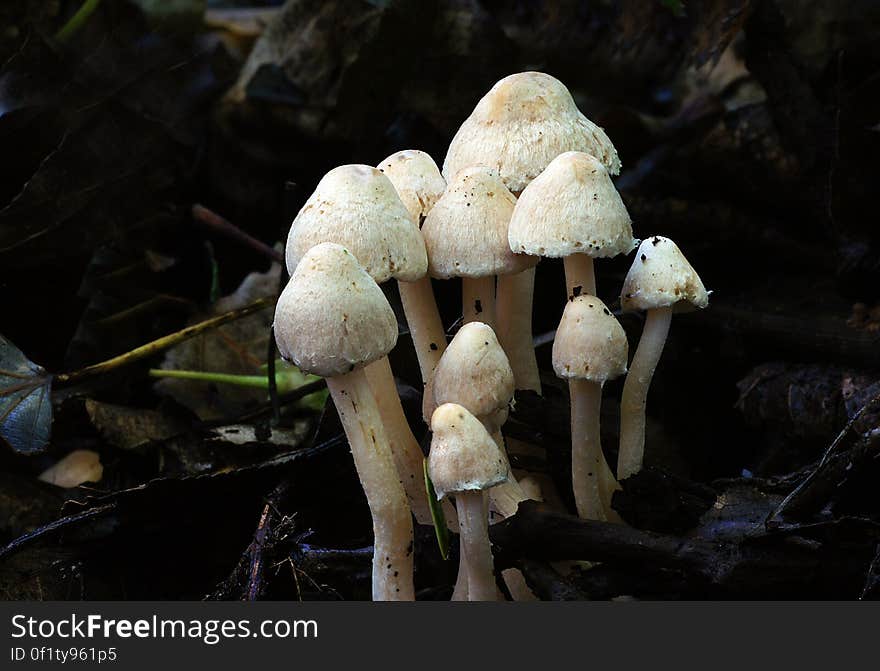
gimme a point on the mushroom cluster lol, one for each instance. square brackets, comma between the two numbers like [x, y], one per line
[526, 176]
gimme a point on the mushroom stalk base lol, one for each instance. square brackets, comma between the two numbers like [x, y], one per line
[425, 325]
[514, 315]
[478, 300]
[474, 528]
[635, 391]
[392, 522]
[580, 277]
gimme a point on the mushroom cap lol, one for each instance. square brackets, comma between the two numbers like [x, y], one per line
[332, 316]
[463, 456]
[417, 179]
[590, 343]
[571, 208]
[357, 207]
[661, 277]
[524, 122]
[474, 372]
[466, 231]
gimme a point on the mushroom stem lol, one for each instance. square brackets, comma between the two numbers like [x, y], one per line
[392, 522]
[474, 527]
[405, 449]
[517, 585]
[478, 299]
[460, 591]
[425, 325]
[635, 391]
[586, 448]
[580, 278]
[514, 315]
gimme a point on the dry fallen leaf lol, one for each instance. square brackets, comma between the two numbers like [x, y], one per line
[129, 428]
[236, 348]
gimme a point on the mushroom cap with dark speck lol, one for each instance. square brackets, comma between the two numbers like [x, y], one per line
[661, 277]
[524, 122]
[571, 208]
[416, 178]
[332, 317]
[474, 371]
[466, 231]
[463, 455]
[590, 343]
[356, 206]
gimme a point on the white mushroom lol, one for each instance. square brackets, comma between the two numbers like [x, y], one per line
[590, 348]
[465, 461]
[358, 207]
[660, 281]
[466, 236]
[572, 211]
[332, 320]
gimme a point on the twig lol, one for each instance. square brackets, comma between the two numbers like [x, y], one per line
[217, 223]
[536, 532]
[773, 518]
[163, 343]
[262, 536]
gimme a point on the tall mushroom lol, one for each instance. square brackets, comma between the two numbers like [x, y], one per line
[465, 461]
[332, 320]
[524, 122]
[419, 184]
[572, 210]
[590, 348]
[357, 206]
[466, 236]
[475, 373]
[660, 281]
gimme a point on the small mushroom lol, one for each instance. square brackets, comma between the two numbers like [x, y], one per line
[572, 210]
[465, 461]
[357, 207]
[660, 281]
[332, 320]
[419, 184]
[475, 373]
[466, 236]
[590, 348]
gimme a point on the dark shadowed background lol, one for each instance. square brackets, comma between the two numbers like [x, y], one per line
[749, 132]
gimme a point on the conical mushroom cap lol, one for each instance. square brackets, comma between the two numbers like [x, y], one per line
[357, 207]
[571, 208]
[661, 277]
[474, 372]
[466, 231]
[332, 316]
[417, 179]
[524, 122]
[463, 455]
[590, 343]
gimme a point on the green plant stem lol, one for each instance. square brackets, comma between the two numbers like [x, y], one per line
[257, 381]
[163, 343]
[75, 22]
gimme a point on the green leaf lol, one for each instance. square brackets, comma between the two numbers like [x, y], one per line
[437, 515]
[25, 402]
